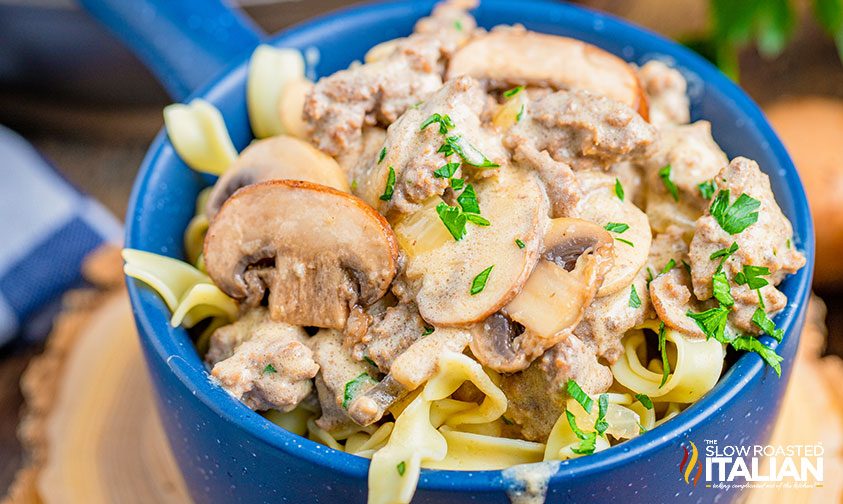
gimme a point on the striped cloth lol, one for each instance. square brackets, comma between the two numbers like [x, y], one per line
[46, 228]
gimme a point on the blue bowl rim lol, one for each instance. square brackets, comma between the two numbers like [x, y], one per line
[747, 368]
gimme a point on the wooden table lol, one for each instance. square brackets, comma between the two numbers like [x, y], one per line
[100, 149]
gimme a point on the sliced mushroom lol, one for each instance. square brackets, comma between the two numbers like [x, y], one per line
[408, 372]
[600, 204]
[317, 250]
[576, 256]
[291, 107]
[671, 297]
[276, 158]
[506, 57]
[442, 276]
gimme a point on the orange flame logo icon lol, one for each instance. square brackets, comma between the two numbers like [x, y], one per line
[686, 467]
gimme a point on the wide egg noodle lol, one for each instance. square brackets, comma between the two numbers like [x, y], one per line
[270, 69]
[189, 293]
[697, 369]
[198, 133]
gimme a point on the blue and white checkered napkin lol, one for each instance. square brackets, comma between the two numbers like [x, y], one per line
[46, 228]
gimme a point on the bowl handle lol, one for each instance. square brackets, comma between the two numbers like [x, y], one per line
[183, 42]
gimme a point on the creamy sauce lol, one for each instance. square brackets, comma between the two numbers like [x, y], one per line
[528, 482]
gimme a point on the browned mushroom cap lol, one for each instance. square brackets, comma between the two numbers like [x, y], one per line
[319, 251]
[671, 297]
[506, 57]
[577, 254]
[279, 157]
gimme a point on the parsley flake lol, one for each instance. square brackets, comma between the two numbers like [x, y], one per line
[444, 121]
[520, 243]
[751, 276]
[382, 155]
[520, 114]
[736, 217]
[477, 219]
[600, 425]
[446, 171]
[390, 185]
[428, 330]
[579, 395]
[669, 266]
[269, 369]
[401, 468]
[616, 227]
[468, 200]
[453, 218]
[707, 189]
[469, 153]
[712, 322]
[625, 241]
[720, 288]
[664, 174]
[663, 350]
[752, 344]
[509, 93]
[619, 190]
[369, 360]
[764, 322]
[354, 387]
[479, 282]
[645, 400]
[353, 185]
[587, 440]
[457, 183]
[724, 254]
[634, 300]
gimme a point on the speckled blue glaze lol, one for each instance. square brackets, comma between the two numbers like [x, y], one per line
[229, 454]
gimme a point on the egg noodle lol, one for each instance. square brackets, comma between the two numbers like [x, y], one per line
[448, 401]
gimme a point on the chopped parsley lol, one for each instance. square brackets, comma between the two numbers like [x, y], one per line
[664, 174]
[712, 322]
[686, 266]
[736, 217]
[520, 114]
[469, 153]
[520, 243]
[390, 185]
[509, 93]
[477, 219]
[764, 322]
[644, 400]
[479, 282]
[444, 121]
[663, 350]
[587, 440]
[353, 388]
[353, 185]
[669, 266]
[401, 468]
[579, 395]
[707, 189]
[382, 155]
[457, 183]
[446, 171]
[616, 227]
[468, 200]
[619, 189]
[634, 300]
[453, 218]
[626, 241]
[428, 330]
[506, 420]
[600, 425]
[722, 291]
[752, 344]
[751, 276]
[369, 360]
[724, 254]
[269, 369]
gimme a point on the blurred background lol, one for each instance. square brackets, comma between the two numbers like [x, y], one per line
[92, 109]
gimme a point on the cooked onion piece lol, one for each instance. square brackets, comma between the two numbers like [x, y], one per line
[575, 257]
[506, 57]
[270, 70]
[276, 158]
[512, 110]
[291, 105]
[422, 231]
[600, 204]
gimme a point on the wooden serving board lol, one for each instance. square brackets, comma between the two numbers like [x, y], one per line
[92, 434]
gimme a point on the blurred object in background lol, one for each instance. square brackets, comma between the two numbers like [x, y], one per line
[48, 227]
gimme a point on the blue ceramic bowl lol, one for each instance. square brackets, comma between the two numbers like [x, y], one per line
[227, 453]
